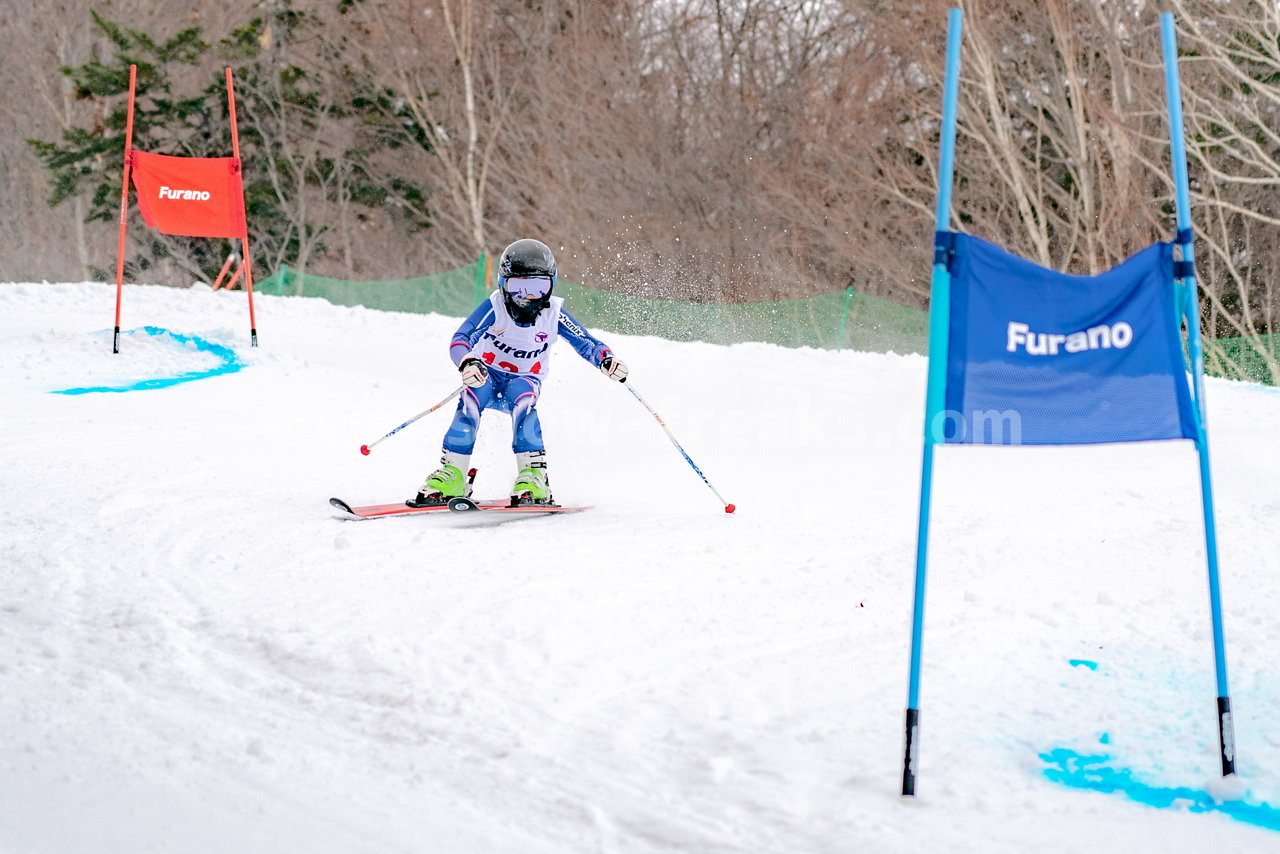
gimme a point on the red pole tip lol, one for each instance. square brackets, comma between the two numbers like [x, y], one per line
[729, 508]
[364, 449]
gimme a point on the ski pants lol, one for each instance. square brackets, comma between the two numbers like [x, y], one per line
[513, 393]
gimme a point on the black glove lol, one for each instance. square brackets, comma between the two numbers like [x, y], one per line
[475, 373]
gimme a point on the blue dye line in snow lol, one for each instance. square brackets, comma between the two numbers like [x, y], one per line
[1090, 772]
[230, 364]
[1080, 662]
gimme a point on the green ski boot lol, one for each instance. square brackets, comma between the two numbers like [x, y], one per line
[451, 480]
[531, 486]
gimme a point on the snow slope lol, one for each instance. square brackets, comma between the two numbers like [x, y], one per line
[196, 656]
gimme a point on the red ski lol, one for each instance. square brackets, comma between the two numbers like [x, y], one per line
[377, 511]
[457, 505]
[466, 505]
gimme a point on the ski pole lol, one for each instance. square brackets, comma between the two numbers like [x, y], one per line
[365, 449]
[728, 508]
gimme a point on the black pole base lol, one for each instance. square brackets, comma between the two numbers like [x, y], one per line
[253, 338]
[115, 341]
[911, 753]
[1226, 737]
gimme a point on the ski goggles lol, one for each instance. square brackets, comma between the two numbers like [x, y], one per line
[528, 287]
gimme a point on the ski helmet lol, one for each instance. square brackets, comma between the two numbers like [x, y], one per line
[526, 277]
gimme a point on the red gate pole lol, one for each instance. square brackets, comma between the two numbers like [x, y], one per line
[244, 239]
[217, 283]
[124, 205]
[235, 277]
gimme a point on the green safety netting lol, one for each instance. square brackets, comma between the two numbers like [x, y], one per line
[1254, 359]
[832, 321]
[451, 293]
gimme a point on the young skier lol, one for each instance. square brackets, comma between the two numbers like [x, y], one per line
[502, 351]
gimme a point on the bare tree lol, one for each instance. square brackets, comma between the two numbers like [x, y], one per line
[448, 96]
[1232, 109]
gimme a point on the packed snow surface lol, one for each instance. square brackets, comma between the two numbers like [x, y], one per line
[196, 655]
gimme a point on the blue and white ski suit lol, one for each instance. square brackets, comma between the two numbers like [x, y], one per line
[518, 357]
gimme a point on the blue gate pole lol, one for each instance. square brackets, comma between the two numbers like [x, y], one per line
[1191, 310]
[935, 400]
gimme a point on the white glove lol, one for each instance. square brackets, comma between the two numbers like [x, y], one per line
[614, 368]
[474, 372]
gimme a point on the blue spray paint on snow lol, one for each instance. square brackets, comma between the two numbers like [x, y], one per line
[1090, 772]
[230, 364]
[1080, 662]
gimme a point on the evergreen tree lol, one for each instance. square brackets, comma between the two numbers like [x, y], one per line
[306, 150]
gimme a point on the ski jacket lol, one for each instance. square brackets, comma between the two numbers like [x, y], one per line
[492, 335]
